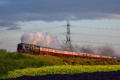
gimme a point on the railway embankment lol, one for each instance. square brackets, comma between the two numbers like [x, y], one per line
[10, 61]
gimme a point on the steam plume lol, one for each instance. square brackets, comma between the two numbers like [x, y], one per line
[41, 39]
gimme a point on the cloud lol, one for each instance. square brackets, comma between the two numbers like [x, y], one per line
[14, 11]
[13, 28]
[2, 3]
[117, 16]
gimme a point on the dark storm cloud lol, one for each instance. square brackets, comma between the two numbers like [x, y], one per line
[13, 11]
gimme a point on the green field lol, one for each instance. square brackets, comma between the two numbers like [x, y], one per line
[62, 70]
[12, 61]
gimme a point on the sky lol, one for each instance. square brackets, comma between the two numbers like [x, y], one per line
[93, 22]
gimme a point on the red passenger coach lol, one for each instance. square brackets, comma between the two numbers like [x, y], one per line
[35, 49]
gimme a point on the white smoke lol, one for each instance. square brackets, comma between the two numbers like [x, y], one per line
[41, 39]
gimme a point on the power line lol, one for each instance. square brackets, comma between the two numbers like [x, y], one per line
[86, 27]
[87, 34]
[100, 28]
[94, 42]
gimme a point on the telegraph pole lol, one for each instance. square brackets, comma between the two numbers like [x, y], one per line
[68, 35]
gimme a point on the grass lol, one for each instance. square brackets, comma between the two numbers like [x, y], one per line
[10, 61]
[69, 69]
[60, 60]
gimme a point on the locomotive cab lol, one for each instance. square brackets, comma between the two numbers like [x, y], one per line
[20, 48]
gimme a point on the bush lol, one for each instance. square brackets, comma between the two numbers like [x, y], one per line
[2, 51]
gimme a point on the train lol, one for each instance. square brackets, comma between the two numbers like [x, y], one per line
[37, 50]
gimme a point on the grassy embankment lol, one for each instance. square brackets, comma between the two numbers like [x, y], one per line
[11, 61]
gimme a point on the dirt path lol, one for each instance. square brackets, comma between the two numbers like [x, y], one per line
[85, 76]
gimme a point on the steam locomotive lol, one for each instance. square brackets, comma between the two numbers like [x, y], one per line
[35, 49]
